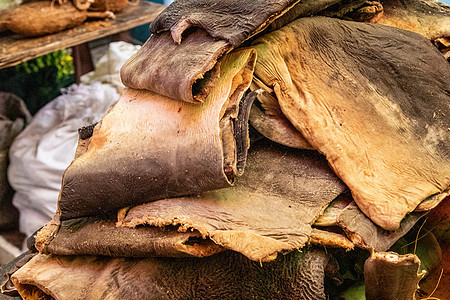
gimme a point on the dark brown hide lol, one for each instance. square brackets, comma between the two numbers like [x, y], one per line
[152, 147]
[268, 119]
[230, 20]
[6, 285]
[355, 10]
[427, 17]
[96, 236]
[270, 209]
[365, 234]
[172, 70]
[388, 276]
[176, 71]
[227, 275]
[347, 87]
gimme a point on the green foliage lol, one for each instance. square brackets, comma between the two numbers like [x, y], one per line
[39, 80]
[59, 59]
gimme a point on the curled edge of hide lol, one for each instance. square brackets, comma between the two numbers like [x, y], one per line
[94, 236]
[181, 72]
[296, 275]
[203, 147]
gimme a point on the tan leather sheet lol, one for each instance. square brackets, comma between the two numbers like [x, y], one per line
[270, 209]
[151, 147]
[227, 275]
[427, 17]
[373, 99]
[100, 236]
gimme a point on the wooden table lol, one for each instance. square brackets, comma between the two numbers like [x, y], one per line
[15, 49]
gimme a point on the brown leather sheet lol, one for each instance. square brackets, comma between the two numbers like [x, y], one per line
[270, 209]
[268, 119]
[373, 99]
[190, 35]
[365, 234]
[227, 275]
[151, 147]
[97, 236]
[388, 275]
[175, 71]
[230, 20]
[428, 17]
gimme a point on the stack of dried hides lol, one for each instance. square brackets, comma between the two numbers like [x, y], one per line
[169, 198]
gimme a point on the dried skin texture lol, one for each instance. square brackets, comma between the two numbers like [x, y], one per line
[385, 137]
[151, 147]
[270, 209]
[176, 71]
[365, 234]
[388, 275]
[427, 17]
[96, 236]
[268, 119]
[40, 18]
[356, 10]
[294, 276]
[331, 214]
[231, 20]
[7, 270]
[330, 239]
[172, 70]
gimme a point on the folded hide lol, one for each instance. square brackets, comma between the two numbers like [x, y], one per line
[268, 119]
[427, 17]
[175, 71]
[151, 147]
[178, 69]
[270, 209]
[227, 275]
[373, 99]
[365, 234]
[230, 20]
[100, 236]
[361, 231]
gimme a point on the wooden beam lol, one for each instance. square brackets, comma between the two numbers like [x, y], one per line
[15, 49]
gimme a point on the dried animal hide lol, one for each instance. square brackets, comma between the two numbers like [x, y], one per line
[362, 232]
[356, 10]
[270, 209]
[6, 270]
[427, 17]
[354, 101]
[97, 236]
[365, 234]
[151, 147]
[230, 20]
[388, 275]
[227, 275]
[177, 71]
[268, 119]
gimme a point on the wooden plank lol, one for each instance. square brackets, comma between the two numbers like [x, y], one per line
[15, 49]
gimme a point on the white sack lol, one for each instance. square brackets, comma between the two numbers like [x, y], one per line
[107, 68]
[41, 153]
